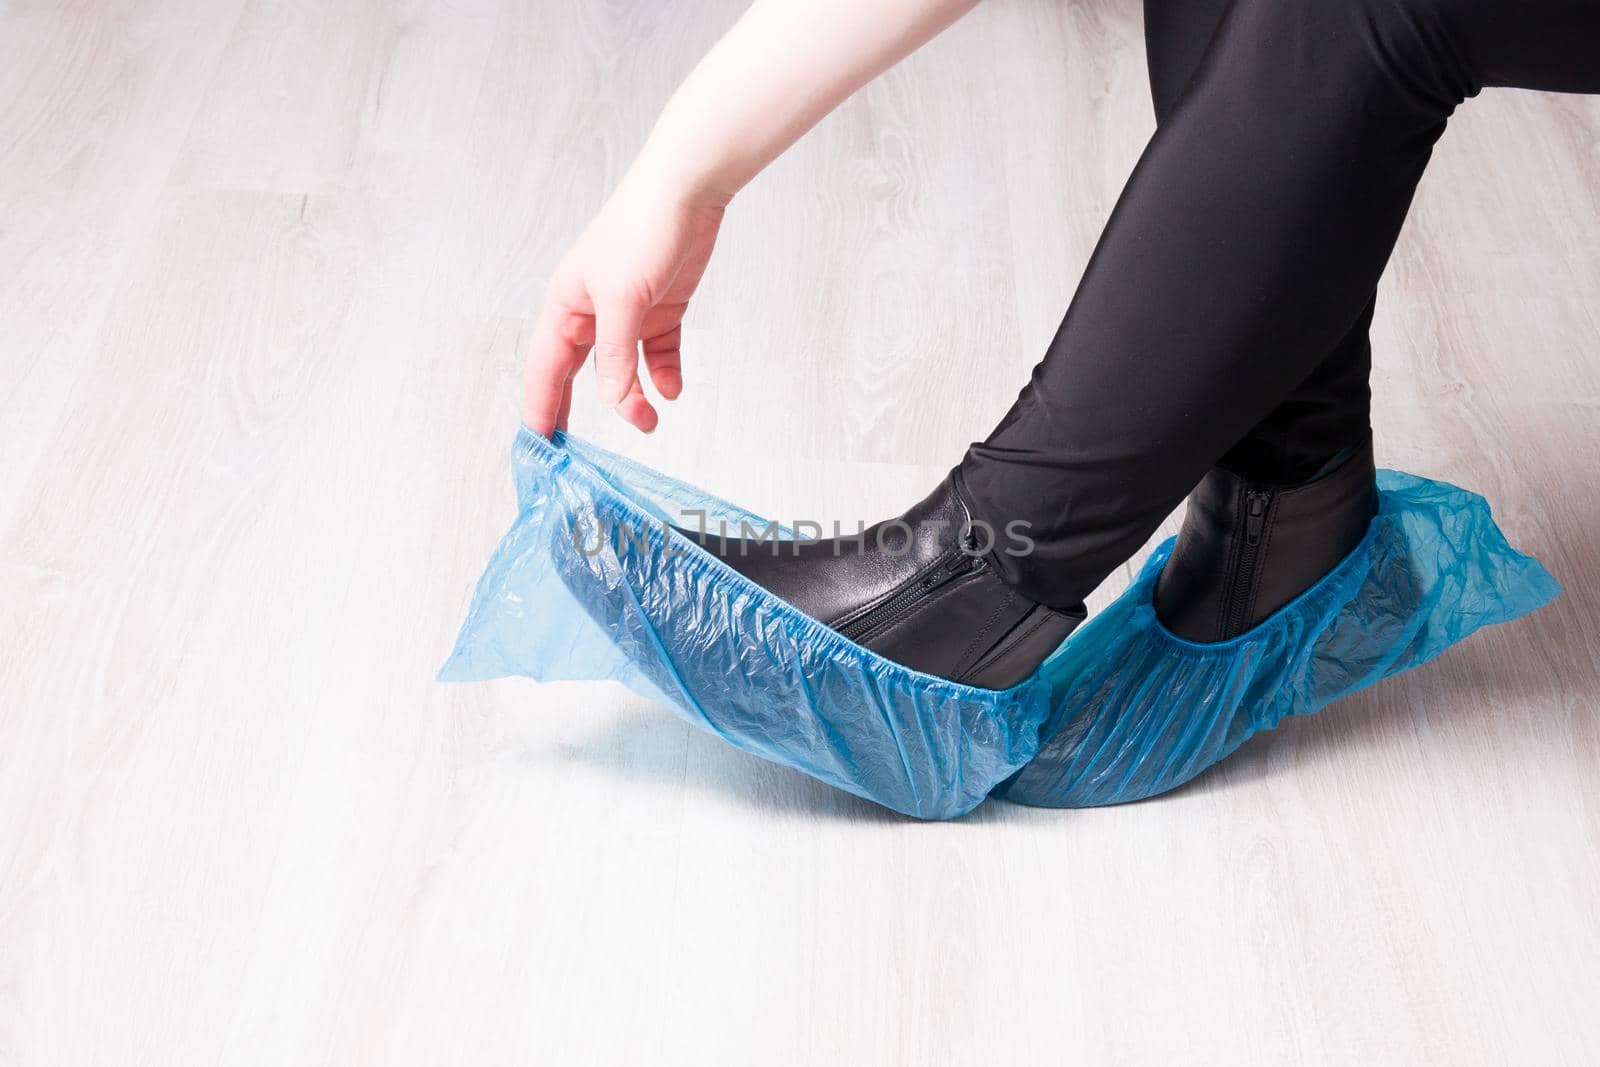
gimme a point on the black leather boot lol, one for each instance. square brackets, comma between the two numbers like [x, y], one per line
[1247, 548]
[918, 590]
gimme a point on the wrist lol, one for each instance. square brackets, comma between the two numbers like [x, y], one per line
[687, 164]
[661, 181]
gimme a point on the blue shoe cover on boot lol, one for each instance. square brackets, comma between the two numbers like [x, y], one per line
[645, 606]
[1140, 711]
[591, 584]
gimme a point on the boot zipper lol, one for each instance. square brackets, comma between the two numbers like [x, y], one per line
[1242, 592]
[951, 566]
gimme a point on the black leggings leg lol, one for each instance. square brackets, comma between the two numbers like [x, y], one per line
[1247, 244]
[1331, 410]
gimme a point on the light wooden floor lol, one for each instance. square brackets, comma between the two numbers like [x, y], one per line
[265, 273]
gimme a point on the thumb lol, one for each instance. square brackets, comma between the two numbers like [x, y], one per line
[616, 346]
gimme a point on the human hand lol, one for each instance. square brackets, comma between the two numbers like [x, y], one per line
[623, 285]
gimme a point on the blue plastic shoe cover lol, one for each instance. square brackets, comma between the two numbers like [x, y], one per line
[1140, 711]
[590, 583]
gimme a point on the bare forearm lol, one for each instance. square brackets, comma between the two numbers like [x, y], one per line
[782, 67]
[625, 284]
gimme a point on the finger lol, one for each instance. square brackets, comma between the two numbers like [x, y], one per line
[636, 409]
[663, 356]
[617, 322]
[566, 407]
[552, 355]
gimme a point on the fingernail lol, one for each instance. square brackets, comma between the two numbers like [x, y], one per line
[611, 391]
[671, 384]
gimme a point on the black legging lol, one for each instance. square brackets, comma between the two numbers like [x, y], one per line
[1331, 410]
[1228, 299]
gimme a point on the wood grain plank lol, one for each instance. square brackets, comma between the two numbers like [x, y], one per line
[270, 268]
[94, 103]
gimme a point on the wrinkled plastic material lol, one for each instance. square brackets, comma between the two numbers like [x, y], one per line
[590, 583]
[645, 606]
[1140, 711]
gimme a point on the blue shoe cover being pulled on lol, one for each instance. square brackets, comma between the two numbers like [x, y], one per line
[645, 606]
[591, 584]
